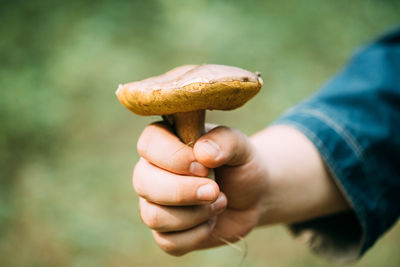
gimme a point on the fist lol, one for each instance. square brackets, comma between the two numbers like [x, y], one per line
[186, 210]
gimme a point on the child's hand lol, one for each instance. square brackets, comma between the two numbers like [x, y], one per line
[186, 210]
[276, 177]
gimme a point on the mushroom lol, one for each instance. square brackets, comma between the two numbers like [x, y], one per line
[183, 94]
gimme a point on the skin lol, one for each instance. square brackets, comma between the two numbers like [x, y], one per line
[275, 176]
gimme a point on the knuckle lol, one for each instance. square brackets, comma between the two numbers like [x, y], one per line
[225, 131]
[141, 147]
[170, 247]
[151, 217]
[136, 178]
[145, 138]
[143, 143]
[221, 130]
[139, 177]
[181, 159]
[180, 194]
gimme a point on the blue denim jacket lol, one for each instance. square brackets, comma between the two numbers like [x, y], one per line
[354, 122]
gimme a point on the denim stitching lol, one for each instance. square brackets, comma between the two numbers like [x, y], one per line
[347, 136]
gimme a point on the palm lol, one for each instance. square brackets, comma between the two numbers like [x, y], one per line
[241, 214]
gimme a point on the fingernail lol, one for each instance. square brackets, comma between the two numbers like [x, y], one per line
[219, 204]
[197, 169]
[206, 192]
[211, 148]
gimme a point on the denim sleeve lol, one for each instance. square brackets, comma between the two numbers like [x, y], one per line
[354, 122]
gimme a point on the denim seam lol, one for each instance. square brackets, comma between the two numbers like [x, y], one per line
[346, 135]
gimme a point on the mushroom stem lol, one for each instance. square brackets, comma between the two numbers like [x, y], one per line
[189, 126]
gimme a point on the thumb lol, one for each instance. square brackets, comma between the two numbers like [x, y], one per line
[223, 146]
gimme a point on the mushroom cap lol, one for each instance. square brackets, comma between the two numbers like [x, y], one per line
[189, 88]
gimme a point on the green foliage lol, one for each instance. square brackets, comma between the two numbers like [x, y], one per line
[67, 146]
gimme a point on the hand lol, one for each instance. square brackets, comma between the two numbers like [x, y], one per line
[187, 211]
[277, 176]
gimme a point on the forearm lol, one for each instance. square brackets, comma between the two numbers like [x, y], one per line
[300, 186]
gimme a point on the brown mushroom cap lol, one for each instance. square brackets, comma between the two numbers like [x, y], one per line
[189, 88]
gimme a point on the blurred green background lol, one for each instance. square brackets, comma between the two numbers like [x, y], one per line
[67, 146]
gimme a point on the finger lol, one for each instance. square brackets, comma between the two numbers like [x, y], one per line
[161, 147]
[172, 219]
[210, 126]
[179, 243]
[244, 185]
[223, 146]
[165, 188]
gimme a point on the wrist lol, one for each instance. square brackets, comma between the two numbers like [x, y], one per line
[299, 185]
